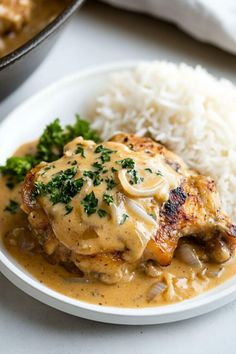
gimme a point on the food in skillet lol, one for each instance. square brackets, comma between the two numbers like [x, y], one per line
[20, 20]
[14, 14]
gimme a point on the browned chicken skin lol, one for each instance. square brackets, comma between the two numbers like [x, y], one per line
[192, 209]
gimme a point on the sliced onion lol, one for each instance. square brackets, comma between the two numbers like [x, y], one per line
[156, 290]
[140, 212]
[135, 192]
[170, 294]
[14, 235]
[114, 213]
[128, 277]
[214, 273]
[26, 244]
[187, 254]
[219, 251]
[117, 211]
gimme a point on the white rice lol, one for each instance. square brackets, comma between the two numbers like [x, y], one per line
[185, 108]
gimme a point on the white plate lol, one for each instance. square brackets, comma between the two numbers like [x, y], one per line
[63, 99]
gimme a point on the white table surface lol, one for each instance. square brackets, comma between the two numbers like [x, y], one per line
[99, 34]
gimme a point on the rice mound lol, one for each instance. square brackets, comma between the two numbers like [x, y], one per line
[185, 108]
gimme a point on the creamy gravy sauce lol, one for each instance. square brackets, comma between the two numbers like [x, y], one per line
[181, 277]
[43, 12]
[108, 233]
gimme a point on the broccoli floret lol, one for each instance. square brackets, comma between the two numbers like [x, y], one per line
[17, 167]
[49, 148]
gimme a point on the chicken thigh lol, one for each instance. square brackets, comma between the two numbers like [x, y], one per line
[104, 209]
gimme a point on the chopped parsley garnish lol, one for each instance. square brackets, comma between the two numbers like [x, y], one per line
[153, 215]
[105, 157]
[126, 163]
[39, 189]
[110, 183]
[134, 177]
[51, 167]
[74, 163]
[90, 203]
[47, 168]
[12, 207]
[61, 188]
[98, 166]
[148, 170]
[108, 199]
[113, 169]
[97, 180]
[123, 219]
[89, 174]
[80, 150]
[102, 213]
[68, 208]
[100, 148]
[159, 173]
[95, 176]
[105, 153]
[49, 148]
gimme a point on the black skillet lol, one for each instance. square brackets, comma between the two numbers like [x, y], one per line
[19, 64]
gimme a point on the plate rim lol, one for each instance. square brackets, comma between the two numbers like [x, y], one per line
[149, 315]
